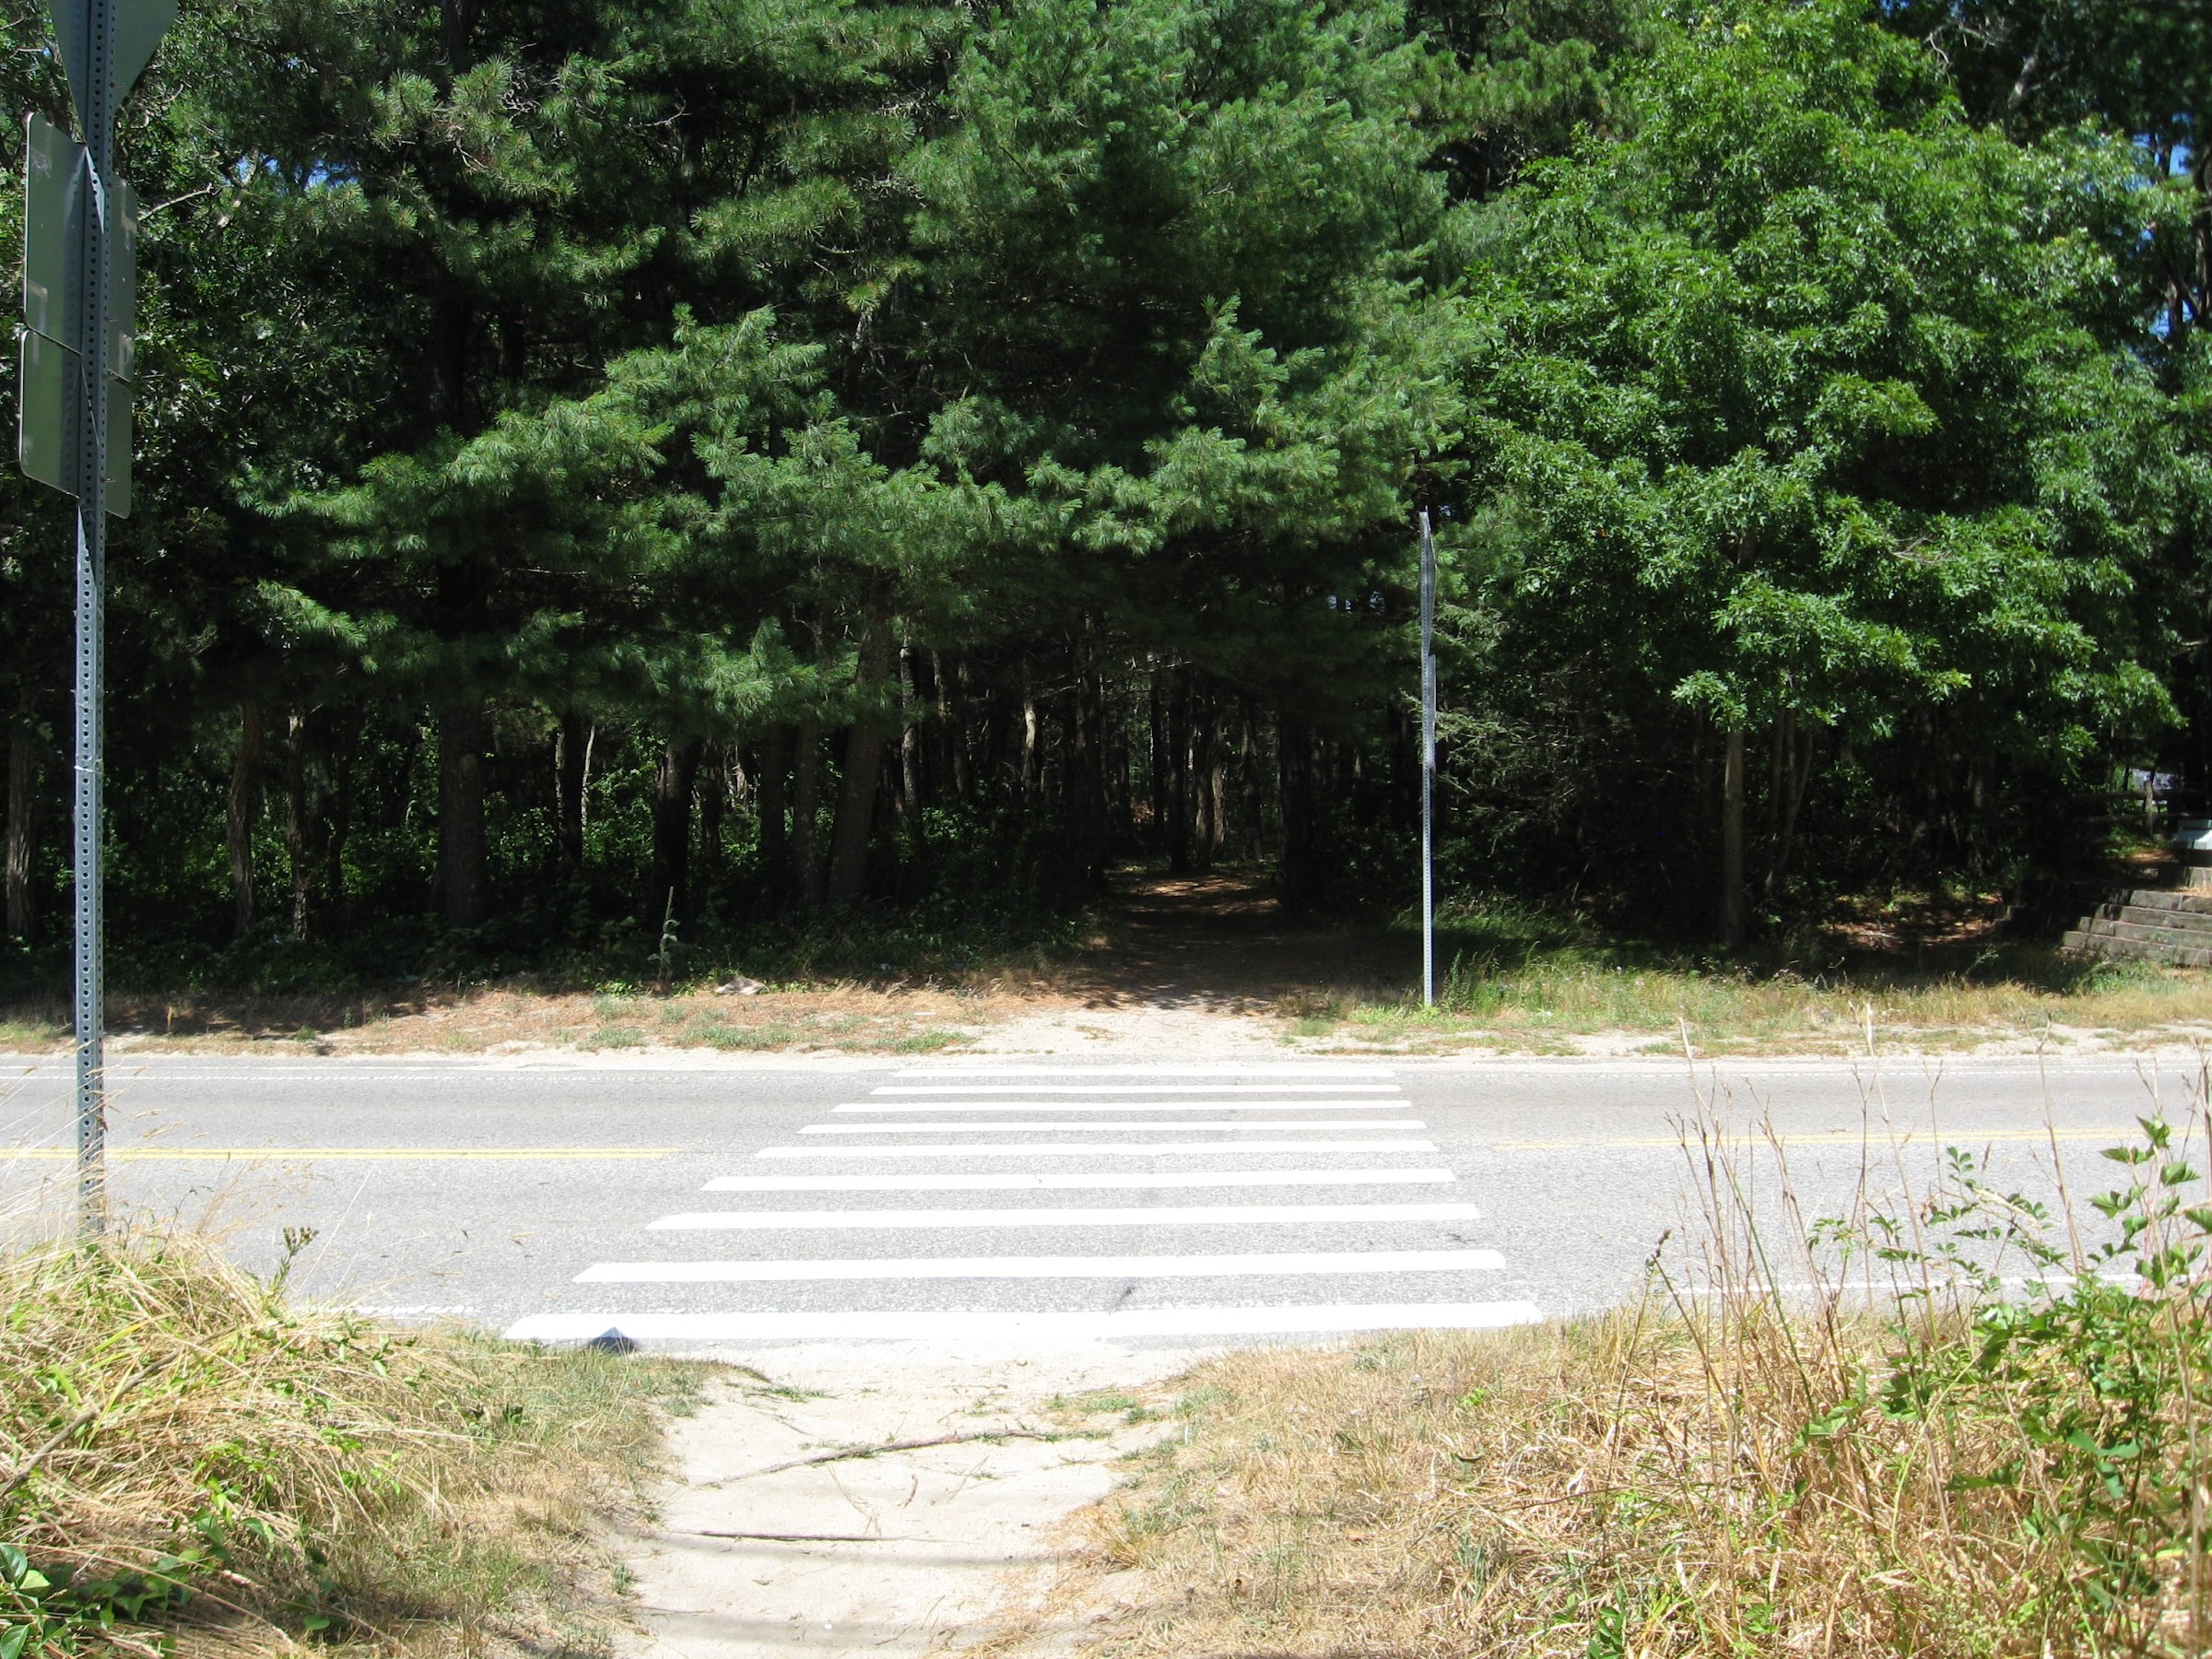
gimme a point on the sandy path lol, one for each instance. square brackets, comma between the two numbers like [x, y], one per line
[897, 1554]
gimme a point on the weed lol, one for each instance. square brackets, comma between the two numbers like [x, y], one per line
[178, 1442]
[754, 1037]
[1961, 1423]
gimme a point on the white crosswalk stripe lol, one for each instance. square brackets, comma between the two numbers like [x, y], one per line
[881, 1108]
[1206, 1148]
[1014, 1267]
[1097, 1128]
[1161, 1214]
[1292, 1269]
[1030, 1181]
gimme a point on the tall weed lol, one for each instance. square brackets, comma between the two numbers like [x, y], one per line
[185, 1451]
[1948, 1418]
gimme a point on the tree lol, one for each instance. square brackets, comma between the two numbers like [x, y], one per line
[1792, 423]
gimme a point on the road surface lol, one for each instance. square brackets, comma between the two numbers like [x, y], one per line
[717, 1202]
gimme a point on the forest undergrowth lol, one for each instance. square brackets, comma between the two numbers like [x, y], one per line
[1946, 1417]
[1515, 977]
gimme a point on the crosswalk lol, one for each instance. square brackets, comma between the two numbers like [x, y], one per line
[1069, 1203]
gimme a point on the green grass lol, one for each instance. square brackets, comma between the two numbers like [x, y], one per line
[1534, 982]
[745, 1038]
[24, 1034]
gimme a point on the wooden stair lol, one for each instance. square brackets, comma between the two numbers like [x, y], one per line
[2155, 924]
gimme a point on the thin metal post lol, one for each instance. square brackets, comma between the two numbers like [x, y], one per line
[91, 940]
[1427, 765]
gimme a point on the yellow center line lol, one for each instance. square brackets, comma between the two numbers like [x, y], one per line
[357, 1154]
[1839, 1138]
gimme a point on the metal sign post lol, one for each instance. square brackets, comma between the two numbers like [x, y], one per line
[74, 415]
[1427, 765]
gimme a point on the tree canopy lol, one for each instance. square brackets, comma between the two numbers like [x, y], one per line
[708, 463]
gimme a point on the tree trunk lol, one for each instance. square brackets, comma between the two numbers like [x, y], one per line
[1732, 842]
[1255, 808]
[572, 778]
[910, 796]
[1300, 876]
[1156, 788]
[725, 780]
[1205, 782]
[775, 838]
[345, 756]
[243, 807]
[1031, 755]
[1217, 785]
[1086, 800]
[295, 818]
[805, 802]
[1799, 776]
[463, 848]
[669, 889]
[953, 704]
[1179, 773]
[22, 820]
[863, 761]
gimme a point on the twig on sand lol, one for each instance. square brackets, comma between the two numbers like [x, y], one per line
[792, 1538]
[883, 1449]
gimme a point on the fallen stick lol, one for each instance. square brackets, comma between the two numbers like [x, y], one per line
[883, 1449]
[795, 1537]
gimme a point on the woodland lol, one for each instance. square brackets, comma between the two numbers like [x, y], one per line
[616, 475]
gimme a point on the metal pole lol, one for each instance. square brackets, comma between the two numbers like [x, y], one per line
[1427, 765]
[92, 583]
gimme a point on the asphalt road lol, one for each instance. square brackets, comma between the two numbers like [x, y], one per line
[721, 1202]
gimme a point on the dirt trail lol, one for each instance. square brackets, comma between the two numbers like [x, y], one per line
[1221, 943]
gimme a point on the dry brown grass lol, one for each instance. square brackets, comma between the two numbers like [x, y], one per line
[477, 1019]
[1745, 1470]
[309, 1474]
[1564, 1491]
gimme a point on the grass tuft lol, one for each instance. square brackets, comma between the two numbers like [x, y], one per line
[186, 1455]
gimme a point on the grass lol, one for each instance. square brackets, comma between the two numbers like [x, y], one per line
[460, 1019]
[1938, 973]
[1530, 981]
[187, 1456]
[1862, 1436]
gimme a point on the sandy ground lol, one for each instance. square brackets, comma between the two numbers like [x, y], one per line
[758, 1550]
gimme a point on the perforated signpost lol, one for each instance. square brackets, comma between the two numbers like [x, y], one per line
[81, 228]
